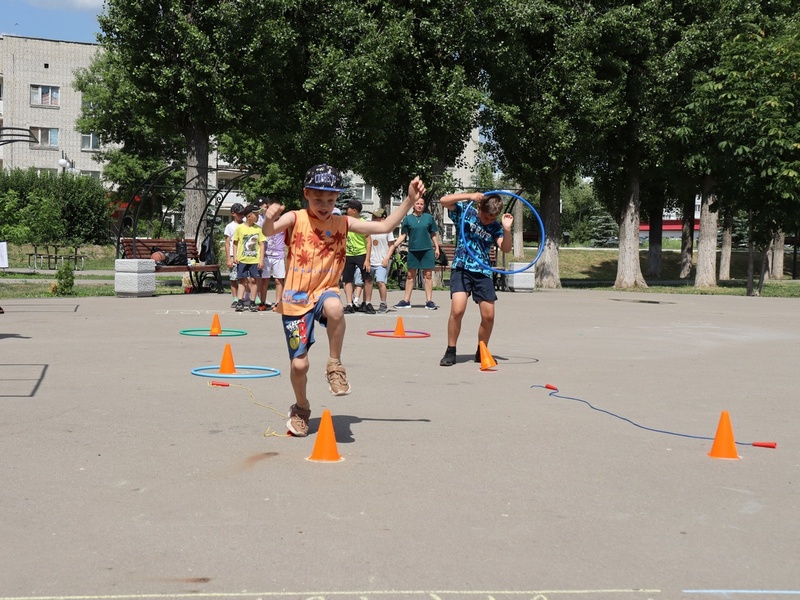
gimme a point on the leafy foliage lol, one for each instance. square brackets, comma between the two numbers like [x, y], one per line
[65, 281]
[63, 209]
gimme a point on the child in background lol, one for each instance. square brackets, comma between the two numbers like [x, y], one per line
[230, 228]
[248, 245]
[379, 260]
[316, 239]
[274, 260]
[468, 276]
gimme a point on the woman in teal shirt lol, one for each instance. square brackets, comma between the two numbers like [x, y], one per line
[423, 250]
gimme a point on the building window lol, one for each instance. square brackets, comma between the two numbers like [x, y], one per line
[89, 141]
[363, 193]
[45, 95]
[46, 137]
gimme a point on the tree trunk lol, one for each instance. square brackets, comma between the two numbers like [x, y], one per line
[629, 270]
[727, 246]
[687, 236]
[776, 256]
[707, 240]
[655, 240]
[196, 183]
[765, 254]
[547, 268]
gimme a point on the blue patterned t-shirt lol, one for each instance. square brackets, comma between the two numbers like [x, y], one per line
[480, 238]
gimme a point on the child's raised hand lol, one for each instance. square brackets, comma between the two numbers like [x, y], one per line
[273, 211]
[507, 221]
[416, 189]
[476, 197]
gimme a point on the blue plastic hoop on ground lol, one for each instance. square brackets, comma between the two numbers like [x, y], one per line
[541, 236]
[261, 372]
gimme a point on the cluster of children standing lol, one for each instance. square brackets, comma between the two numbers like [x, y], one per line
[253, 258]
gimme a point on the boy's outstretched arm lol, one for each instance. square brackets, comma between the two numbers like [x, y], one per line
[272, 224]
[416, 189]
[451, 200]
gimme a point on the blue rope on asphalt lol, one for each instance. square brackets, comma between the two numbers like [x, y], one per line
[555, 394]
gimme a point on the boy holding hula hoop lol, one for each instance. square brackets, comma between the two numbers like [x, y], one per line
[469, 276]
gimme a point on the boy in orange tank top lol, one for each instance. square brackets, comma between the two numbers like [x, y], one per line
[315, 238]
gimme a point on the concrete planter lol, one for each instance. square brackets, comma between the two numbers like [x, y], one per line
[134, 278]
[521, 282]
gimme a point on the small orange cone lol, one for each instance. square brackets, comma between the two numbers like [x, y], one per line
[325, 445]
[399, 330]
[487, 360]
[227, 366]
[724, 445]
[216, 328]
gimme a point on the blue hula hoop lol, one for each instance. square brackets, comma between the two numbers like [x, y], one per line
[541, 236]
[260, 373]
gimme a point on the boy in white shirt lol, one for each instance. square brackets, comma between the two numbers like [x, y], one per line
[236, 212]
[379, 260]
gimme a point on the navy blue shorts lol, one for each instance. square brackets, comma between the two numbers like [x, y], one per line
[480, 286]
[247, 270]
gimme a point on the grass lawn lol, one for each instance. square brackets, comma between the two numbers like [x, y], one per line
[587, 268]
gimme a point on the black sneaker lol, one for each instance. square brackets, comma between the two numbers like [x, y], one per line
[349, 310]
[240, 306]
[449, 358]
[368, 308]
[478, 355]
[253, 307]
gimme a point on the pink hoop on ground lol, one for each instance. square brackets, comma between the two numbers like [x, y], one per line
[389, 333]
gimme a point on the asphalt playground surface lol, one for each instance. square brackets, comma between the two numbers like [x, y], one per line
[125, 476]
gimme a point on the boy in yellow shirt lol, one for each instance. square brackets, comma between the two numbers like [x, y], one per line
[248, 251]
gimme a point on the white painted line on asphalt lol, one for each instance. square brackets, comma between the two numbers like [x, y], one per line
[363, 595]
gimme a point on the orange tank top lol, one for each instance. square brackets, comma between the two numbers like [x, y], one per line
[315, 260]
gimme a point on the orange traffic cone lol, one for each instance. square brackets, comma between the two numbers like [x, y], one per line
[227, 366]
[724, 445]
[216, 328]
[487, 360]
[399, 330]
[325, 445]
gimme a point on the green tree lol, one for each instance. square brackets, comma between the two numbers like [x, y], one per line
[579, 207]
[739, 119]
[379, 88]
[184, 70]
[62, 209]
[539, 62]
[13, 228]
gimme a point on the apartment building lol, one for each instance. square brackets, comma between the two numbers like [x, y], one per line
[36, 94]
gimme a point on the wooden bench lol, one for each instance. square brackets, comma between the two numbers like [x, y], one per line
[143, 248]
